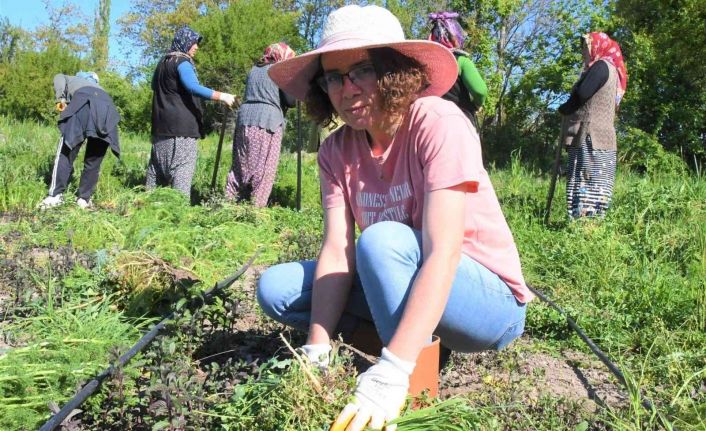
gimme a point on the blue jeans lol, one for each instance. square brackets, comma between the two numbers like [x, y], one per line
[481, 312]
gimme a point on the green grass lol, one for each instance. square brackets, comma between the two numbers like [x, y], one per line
[635, 281]
[63, 346]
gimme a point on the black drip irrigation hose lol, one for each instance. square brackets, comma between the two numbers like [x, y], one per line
[646, 403]
[146, 339]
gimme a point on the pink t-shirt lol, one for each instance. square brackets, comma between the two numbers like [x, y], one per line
[435, 147]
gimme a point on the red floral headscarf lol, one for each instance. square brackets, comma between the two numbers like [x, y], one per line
[602, 47]
[275, 53]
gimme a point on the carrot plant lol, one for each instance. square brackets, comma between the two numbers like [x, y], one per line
[635, 281]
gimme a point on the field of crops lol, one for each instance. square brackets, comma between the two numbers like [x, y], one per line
[78, 288]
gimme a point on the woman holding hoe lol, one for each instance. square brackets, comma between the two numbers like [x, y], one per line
[257, 138]
[588, 126]
[177, 115]
[435, 255]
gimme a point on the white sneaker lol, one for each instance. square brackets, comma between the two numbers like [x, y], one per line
[51, 201]
[83, 203]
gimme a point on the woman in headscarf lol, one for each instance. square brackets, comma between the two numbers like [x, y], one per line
[469, 91]
[177, 115]
[258, 134]
[588, 128]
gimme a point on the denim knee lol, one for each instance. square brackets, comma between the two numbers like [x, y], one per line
[269, 290]
[381, 237]
[510, 335]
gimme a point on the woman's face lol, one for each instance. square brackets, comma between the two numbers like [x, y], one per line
[356, 103]
[192, 50]
[586, 53]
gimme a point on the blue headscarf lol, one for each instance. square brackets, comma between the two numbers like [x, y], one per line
[184, 39]
[91, 76]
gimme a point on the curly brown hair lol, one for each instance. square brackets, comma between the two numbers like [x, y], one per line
[400, 80]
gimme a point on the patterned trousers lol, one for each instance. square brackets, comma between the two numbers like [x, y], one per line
[172, 163]
[255, 159]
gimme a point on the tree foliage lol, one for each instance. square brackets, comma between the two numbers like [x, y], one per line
[26, 83]
[101, 30]
[150, 24]
[664, 43]
[527, 51]
[235, 37]
[12, 40]
[133, 101]
[67, 26]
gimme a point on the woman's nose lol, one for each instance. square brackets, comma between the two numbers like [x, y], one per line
[350, 87]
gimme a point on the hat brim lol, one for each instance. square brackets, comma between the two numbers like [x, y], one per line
[294, 76]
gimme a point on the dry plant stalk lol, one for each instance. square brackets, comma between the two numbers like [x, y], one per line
[304, 365]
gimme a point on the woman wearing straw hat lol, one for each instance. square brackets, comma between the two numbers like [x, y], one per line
[435, 255]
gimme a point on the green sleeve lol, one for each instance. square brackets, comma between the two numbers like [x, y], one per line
[472, 80]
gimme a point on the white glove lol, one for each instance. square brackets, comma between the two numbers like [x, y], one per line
[227, 98]
[318, 354]
[379, 396]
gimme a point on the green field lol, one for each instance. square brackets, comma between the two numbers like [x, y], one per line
[77, 288]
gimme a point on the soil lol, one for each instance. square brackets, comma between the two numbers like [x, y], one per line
[529, 376]
[522, 372]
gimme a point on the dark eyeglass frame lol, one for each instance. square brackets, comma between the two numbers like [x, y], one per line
[324, 80]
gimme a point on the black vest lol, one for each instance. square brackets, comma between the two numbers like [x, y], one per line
[175, 111]
[459, 95]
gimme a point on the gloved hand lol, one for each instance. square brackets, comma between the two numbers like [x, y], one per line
[318, 354]
[61, 105]
[227, 98]
[379, 396]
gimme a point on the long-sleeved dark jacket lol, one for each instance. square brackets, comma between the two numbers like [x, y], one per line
[90, 114]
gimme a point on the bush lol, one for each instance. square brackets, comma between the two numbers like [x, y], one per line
[642, 152]
[26, 83]
[133, 101]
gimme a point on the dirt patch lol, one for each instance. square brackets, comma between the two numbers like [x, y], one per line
[524, 374]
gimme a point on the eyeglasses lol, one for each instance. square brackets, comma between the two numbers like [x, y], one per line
[333, 81]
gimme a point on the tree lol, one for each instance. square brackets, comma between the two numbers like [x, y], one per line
[235, 38]
[26, 83]
[12, 40]
[150, 24]
[663, 42]
[101, 31]
[66, 27]
[527, 51]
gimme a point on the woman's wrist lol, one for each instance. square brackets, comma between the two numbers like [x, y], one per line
[318, 335]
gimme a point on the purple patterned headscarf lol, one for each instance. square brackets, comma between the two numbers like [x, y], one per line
[446, 30]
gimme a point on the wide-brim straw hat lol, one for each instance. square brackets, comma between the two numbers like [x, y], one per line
[354, 27]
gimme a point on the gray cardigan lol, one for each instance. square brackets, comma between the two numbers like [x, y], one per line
[264, 105]
[66, 85]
